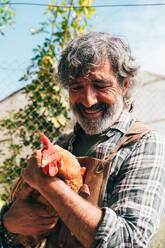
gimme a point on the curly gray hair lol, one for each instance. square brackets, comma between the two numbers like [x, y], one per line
[89, 51]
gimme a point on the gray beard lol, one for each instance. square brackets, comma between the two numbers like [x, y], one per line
[100, 124]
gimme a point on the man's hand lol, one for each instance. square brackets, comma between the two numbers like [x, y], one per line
[28, 218]
[33, 173]
[81, 217]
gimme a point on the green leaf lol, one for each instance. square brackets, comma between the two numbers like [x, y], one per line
[47, 105]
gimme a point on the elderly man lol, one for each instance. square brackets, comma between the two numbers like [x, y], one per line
[100, 75]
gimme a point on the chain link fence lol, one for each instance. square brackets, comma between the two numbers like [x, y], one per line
[149, 101]
[149, 98]
[13, 99]
[149, 106]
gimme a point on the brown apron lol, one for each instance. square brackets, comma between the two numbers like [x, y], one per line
[94, 186]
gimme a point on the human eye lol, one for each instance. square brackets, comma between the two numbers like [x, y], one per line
[101, 86]
[75, 88]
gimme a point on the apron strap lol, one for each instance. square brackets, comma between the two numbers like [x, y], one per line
[136, 131]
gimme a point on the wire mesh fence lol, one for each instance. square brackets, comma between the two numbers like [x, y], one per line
[149, 104]
[52, 105]
[40, 106]
[149, 108]
[150, 97]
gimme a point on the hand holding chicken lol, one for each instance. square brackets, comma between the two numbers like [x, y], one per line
[54, 160]
[42, 169]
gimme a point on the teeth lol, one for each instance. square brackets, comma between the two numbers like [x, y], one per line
[92, 111]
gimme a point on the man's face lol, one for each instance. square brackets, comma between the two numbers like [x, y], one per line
[97, 101]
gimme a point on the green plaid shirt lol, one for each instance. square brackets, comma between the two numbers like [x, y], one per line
[135, 195]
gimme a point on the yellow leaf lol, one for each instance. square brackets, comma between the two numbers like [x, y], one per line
[33, 31]
[74, 14]
[42, 95]
[1, 203]
[53, 24]
[87, 15]
[81, 29]
[85, 3]
[56, 88]
[49, 59]
[63, 3]
[61, 119]
[55, 122]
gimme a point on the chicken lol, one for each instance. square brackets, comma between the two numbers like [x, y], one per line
[56, 161]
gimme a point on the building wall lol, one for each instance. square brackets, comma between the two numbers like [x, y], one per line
[150, 102]
[13, 102]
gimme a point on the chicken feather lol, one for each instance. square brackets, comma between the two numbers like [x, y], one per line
[56, 161]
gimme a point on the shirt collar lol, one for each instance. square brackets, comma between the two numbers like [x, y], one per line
[123, 123]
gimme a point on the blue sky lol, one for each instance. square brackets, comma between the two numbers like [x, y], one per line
[143, 27]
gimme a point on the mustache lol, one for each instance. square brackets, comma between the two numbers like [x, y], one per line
[101, 105]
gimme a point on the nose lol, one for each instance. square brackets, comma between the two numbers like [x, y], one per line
[89, 97]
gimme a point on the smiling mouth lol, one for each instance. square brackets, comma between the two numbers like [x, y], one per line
[89, 111]
[92, 113]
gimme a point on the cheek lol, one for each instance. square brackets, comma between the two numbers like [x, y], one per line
[74, 98]
[110, 97]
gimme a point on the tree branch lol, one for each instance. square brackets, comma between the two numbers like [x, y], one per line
[66, 27]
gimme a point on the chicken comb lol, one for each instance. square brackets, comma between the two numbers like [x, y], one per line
[51, 159]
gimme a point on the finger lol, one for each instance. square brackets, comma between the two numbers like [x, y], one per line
[46, 220]
[43, 210]
[23, 173]
[38, 157]
[26, 187]
[25, 191]
[38, 229]
[36, 221]
[32, 161]
[44, 229]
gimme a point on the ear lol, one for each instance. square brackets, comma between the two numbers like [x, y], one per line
[125, 86]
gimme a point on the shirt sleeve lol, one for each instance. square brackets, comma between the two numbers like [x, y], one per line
[7, 239]
[137, 202]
